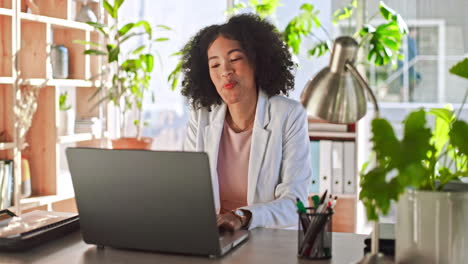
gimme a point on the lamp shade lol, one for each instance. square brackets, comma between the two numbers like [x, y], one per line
[337, 93]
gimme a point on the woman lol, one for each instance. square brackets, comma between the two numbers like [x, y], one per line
[256, 139]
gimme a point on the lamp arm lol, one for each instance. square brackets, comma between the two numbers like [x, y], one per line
[361, 80]
[376, 228]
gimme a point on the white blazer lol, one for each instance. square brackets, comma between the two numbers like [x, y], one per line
[279, 166]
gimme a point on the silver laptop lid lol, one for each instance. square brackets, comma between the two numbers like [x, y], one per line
[148, 200]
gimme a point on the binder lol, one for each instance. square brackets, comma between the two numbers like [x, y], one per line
[11, 185]
[337, 167]
[325, 167]
[6, 185]
[315, 163]
[2, 175]
[350, 173]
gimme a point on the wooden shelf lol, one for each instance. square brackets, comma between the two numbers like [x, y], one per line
[342, 195]
[58, 22]
[337, 135]
[60, 203]
[78, 138]
[6, 145]
[35, 36]
[59, 82]
[6, 80]
[6, 12]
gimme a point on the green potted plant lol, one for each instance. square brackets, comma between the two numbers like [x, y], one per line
[381, 44]
[413, 172]
[66, 116]
[129, 72]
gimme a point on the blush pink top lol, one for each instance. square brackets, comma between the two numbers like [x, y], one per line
[233, 166]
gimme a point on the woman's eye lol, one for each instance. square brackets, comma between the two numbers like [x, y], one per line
[236, 59]
[214, 66]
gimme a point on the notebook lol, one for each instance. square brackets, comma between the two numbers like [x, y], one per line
[34, 228]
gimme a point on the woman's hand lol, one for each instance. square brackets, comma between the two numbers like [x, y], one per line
[229, 221]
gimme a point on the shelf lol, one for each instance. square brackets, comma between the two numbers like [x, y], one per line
[39, 200]
[59, 82]
[6, 80]
[342, 195]
[337, 135]
[58, 22]
[6, 12]
[77, 138]
[49, 203]
[6, 145]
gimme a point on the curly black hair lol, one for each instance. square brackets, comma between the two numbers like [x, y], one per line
[264, 49]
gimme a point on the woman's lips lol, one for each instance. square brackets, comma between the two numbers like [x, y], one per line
[229, 85]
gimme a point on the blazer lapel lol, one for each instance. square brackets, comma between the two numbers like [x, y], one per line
[212, 138]
[260, 138]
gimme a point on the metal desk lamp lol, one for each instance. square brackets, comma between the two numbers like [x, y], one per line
[337, 94]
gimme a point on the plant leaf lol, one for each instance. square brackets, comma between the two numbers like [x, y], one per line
[460, 69]
[82, 42]
[443, 121]
[161, 39]
[118, 4]
[131, 35]
[173, 77]
[110, 9]
[148, 59]
[458, 136]
[386, 11]
[345, 12]
[233, 10]
[139, 49]
[146, 26]
[123, 30]
[416, 139]
[163, 27]
[114, 54]
[386, 145]
[94, 52]
[300, 26]
[320, 49]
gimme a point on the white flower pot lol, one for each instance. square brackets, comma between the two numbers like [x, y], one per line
[433, 225]
[67, 122]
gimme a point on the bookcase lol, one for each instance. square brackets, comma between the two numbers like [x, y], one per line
[26, 40]
[334, 168]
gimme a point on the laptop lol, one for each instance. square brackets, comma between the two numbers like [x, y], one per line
[148, 200]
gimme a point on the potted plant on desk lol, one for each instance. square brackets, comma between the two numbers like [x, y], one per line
[414, 171]
[130, 72]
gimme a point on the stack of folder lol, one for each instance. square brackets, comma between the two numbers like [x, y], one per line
[6, 183]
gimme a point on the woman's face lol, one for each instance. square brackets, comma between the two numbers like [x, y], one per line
[231, 72]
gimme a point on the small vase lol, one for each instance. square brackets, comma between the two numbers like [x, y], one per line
[86, 14]
[59, 59]
[67, 122]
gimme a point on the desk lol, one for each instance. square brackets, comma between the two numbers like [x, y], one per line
[263, 246]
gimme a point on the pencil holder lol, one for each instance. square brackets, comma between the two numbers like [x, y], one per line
[315, 234]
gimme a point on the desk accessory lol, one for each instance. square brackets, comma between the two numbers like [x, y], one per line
[315, 240]
[337, 94]
[34, 228]
[86, 14]
[59, 60]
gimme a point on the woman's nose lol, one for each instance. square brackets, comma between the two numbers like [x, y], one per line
[227, 71]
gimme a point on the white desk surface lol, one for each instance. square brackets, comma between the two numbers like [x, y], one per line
[263, 246]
